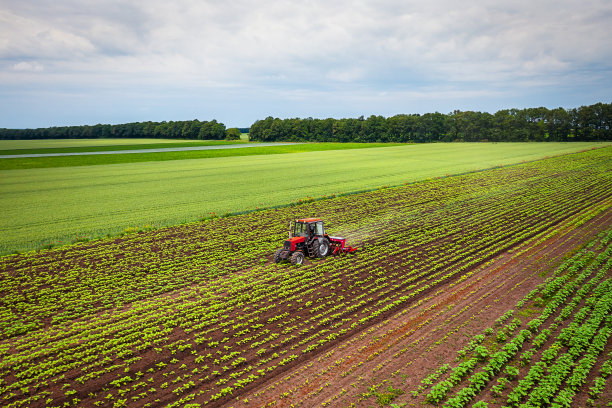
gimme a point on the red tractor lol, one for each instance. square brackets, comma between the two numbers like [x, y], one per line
[308, 238]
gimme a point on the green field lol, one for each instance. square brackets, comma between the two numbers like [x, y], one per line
[62, 204]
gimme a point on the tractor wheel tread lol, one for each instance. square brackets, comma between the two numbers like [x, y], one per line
[277, 255]
[297, 258]
[315, 249]
[322, 248]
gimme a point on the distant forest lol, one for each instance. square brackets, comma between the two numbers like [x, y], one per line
[191, 129]
[586, 123]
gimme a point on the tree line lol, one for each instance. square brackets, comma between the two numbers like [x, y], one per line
[586, 123]
[191, 129]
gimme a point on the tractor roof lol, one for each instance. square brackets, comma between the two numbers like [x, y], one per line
[308, 220]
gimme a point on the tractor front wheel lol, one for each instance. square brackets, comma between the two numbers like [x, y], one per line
[297, 258]
[277, 256]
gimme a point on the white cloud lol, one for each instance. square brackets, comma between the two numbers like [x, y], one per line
[28, 66]
[242, 39]
[390, 47]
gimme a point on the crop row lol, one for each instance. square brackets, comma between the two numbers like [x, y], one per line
[550, 358]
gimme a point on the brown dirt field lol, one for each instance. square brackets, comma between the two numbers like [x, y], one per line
[402, 350]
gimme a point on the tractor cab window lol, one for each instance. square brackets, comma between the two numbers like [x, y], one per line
[300, 230]
[319, 228]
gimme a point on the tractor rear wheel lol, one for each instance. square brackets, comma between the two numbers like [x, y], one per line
[315, 249]
[277, 255]
[297, 258]
[323, 248]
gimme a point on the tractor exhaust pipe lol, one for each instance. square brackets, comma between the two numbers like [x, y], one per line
[290, 235]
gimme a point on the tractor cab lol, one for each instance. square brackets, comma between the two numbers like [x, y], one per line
[308, 228]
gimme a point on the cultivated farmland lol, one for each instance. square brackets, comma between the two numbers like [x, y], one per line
[491, 264]
[54, 206]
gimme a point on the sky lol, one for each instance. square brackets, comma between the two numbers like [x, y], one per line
[79, 62]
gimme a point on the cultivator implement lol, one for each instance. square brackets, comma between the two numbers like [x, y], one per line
[338, 246]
